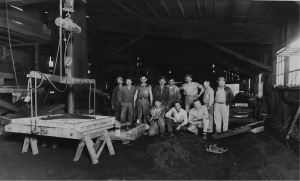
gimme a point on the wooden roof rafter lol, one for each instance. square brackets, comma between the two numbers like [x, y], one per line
[232, 11]
[205, 10]
[151, 9]
[249, 12]
[163, 3]
[181, 9]
[199, 10]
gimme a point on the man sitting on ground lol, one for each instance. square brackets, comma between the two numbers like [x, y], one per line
[198, 118]
[157, 119]
[176, 117]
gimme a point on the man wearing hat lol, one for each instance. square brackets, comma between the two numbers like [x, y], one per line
[223, 99]
[126, 98]
[115, 104]
[161, 92]
[141, 99]
[190, 90]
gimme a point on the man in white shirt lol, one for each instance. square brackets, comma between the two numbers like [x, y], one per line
[198, 118]
[223, 100]
[176, 117]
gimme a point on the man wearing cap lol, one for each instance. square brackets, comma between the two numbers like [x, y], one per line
[115, 104]
[141, 99]
[174, 93]
[157, 120]
[208, 99]
[223, 99]
[190, 91]
[161, 92]
[126, 98]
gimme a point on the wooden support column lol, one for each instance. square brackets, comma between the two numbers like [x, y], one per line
[129, 55]
[36, 56]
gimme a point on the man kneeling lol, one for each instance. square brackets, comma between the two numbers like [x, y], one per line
[157, 120]
[198, 118]
[176, 117]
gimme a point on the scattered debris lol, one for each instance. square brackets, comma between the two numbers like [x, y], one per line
[166, 154]
[258, 129]
[215, 149]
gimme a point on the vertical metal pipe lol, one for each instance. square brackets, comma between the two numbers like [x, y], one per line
[36, 56]
[71, 102]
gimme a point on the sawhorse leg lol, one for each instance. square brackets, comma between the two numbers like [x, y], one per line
[94, 149]
[33, 142]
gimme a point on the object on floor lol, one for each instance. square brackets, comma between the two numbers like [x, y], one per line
[258, 129]
[215, 149]
[61, 126]
[134, 131]
[238, 130]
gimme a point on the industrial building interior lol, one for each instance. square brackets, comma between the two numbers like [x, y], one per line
[62, 57]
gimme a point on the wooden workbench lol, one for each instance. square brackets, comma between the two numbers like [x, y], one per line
[80, 127]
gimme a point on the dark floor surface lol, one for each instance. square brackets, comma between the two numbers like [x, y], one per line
[250, 157]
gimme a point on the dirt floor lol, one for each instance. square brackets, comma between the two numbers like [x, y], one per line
[249, 157]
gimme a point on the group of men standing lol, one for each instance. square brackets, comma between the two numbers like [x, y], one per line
[167, 105]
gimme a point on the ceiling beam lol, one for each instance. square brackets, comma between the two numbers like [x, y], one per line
[151, 9]
[248, 15]
[214, 10]
[242, 57]
[162, 2]
[125, 9]
[105, 58]
[190, 25]
[205, 10]
[232, 11]
[137, 9]
[181, 9]
[199, 10]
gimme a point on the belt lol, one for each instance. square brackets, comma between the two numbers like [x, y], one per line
[220, 102]
[142, 98]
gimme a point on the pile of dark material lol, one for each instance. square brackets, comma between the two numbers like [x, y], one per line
[166, 154]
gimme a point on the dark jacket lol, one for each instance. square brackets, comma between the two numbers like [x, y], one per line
[162, 96]
[229, 95]
[114, 97]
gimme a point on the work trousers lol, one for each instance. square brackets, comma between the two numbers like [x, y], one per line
[211, 119]
[127, 111]
[157, 126]
[117, 111]
[221, 114]
[189, 102]
[142, 106]
[204, 123]
[171, 125]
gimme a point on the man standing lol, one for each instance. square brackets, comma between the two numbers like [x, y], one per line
[161, 92]
[141, 99]
[126, 99]
[198, 118]
[223, 99]
[176, 117]
[115, 104]
[190, 90]
[208, 100]
[174, 93]
[157, 119]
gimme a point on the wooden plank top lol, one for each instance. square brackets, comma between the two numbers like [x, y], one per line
[62, 80]
[72, 123]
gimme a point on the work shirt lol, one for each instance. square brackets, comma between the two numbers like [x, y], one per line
[208, 97]
[161, 94]
[220, 95]
[143, 91]
[195, 114]
[114, 97]
[180, 116]
[158, 112]
[174, 93]
[126, 95]
[191, 89]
